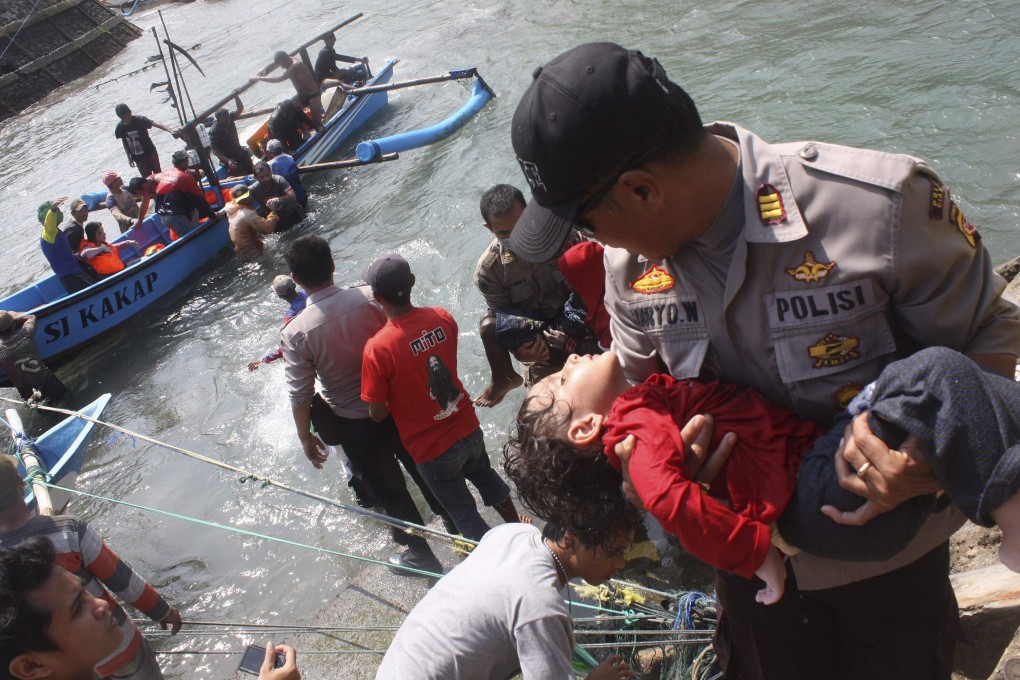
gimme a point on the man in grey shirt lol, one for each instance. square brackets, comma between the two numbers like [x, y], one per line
[326, 341]
[501, 611]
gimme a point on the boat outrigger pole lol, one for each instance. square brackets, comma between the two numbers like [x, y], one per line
[265, 71]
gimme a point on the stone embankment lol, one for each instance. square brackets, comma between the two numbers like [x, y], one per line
[61, 41]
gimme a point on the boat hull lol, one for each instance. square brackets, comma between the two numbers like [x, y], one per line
[62, 449]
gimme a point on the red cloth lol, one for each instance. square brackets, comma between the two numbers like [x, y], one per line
[758, 478]
[584, 268]
[411, 364]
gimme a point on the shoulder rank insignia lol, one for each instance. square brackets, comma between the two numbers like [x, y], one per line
[834, 350]
[770, 205]
[842, 397]
[655, 280]
[937, 204]
[811, 271]
[965, 227]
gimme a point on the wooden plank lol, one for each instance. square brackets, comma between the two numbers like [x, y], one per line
[990, 589]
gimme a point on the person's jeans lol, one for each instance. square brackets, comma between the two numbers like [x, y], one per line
[448, 473]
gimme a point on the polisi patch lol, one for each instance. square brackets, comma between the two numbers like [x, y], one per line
[810, 270]
[937, 204]
[834, 350]
[842, 397]
[654, 280]
[770, 205]
[965, 227]
[831, 303]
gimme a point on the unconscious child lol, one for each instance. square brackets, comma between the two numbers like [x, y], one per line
[782, 469]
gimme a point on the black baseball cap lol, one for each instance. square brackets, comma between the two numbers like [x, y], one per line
[390, 275]
[588, 112]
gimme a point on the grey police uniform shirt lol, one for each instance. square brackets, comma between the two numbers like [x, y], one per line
[840, 260]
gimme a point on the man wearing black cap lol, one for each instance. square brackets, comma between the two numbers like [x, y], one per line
[799, 269]
[410, 370]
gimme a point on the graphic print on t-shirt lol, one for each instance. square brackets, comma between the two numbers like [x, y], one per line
[442, 388]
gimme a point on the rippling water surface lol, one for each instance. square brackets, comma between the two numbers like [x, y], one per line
[938, 80]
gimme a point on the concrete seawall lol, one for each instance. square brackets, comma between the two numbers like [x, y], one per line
[62, 40]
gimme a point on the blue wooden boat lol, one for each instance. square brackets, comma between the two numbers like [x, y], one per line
[61, 450]
[67, 323]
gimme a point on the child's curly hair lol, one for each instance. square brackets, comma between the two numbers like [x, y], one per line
[561, 484]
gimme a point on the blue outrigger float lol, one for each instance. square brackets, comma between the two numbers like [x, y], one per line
[57, 454]
[68, 323]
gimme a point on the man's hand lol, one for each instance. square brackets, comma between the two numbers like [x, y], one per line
[173, 619]
[288, 671]
[699, 465]
[611, 669]
[535, 351]
[273, 203]
[254, 364]
[886, 477]
[315, 450]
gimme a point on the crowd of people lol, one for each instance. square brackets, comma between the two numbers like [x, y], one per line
[755, 351]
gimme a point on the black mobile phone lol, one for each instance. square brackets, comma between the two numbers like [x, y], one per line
[253, 657]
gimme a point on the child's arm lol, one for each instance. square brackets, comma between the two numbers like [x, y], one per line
[707, 528]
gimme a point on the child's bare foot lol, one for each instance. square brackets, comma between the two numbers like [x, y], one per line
[773, 572]
[497, 389]
[524, 519]
[1007, 516]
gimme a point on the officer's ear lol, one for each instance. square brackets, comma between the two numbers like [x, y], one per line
[641, 187]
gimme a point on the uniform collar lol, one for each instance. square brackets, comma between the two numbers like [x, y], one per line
[765, 178]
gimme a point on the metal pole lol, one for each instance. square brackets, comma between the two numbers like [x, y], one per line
[268, 69]
[169, 83]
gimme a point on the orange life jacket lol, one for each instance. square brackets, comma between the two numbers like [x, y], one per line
[104, 263]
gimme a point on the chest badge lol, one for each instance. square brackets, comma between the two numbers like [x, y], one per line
[770, 205]
[655, 280]
[811, 271]
[966, 228]
[842, 397]
[834, 350]
[507, 257]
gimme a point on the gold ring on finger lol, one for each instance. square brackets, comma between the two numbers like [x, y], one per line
[863, 470]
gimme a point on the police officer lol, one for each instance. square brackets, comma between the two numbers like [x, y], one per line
[799, 269]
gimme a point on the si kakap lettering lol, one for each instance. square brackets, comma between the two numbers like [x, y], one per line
[94, 312]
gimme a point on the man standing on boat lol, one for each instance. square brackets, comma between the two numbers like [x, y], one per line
[799, 269]
[326, 342]
[307, 87]
[283, 164]
[82, 552]
[133, 131]
[56, 247]
[330, 75]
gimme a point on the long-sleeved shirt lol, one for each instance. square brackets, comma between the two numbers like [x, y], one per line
[327, 341]
[758, 479]
[56, 248]
[82, 552]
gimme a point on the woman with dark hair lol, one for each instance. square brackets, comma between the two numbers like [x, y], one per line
[100, 253]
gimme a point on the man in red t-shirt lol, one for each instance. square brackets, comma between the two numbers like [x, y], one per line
[410, 370]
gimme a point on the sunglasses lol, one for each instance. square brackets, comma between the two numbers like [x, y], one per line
[595, 199]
